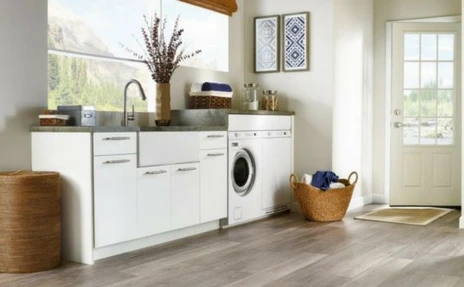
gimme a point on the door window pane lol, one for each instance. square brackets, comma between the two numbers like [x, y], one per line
[445, 132]
[411, 103]
[411, 47]
[428, 131]
[411, 131]
[446, 47]
[428, 75]
[428, 47]
[446, 75]
[428, 103]
[411, 75]
[445, 103]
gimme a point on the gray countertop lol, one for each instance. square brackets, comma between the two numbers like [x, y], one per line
[182, 120]
[116, 129]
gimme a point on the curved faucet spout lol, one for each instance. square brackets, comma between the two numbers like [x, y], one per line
[125, 117]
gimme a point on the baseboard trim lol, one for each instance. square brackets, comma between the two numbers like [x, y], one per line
[379, 198]
[360, 201]
[109, 251]
[461, 222]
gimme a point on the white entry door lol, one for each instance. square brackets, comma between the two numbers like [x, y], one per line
[426, 115]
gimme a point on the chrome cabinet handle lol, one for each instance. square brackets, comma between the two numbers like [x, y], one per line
[155, 172]
[215, 136]
[215, 154]
[117, 161]
[187, 169]
[117, 139]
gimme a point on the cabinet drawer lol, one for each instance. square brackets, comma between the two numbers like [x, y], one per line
[114, 143]
[213, 140]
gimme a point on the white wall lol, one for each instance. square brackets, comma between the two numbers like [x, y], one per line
[389, 10]
[23, 77]
[353, 91]
[309, 94]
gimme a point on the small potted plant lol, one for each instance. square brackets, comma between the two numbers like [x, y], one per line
[162, 57]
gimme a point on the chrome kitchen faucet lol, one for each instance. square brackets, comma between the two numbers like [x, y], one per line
[130, 117]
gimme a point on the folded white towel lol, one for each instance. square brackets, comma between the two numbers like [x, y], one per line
[307, 179]
[196, 87]
[334, 185]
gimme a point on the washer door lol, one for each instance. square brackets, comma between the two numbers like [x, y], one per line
[243, 173]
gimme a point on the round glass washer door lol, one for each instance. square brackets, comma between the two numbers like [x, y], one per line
[243, 173]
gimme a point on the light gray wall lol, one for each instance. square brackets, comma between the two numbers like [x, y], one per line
[390, 10]
[23, 77]
[309, 93]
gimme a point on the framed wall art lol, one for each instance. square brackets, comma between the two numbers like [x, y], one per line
[267, 44]
[296, 42]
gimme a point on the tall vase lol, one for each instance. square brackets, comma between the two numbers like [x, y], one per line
[163, 104]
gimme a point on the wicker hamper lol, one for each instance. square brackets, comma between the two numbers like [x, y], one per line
[30, 227]
[318, 205]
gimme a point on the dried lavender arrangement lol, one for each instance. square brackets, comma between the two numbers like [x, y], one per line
[162, 58]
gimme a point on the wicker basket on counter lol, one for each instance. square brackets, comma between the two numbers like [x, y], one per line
[323, 206]
[202, 100]
[30, 225]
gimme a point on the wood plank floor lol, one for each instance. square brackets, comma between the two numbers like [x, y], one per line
[283, 251]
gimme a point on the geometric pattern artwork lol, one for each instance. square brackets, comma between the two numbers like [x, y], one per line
[267, 44]
[296, 42]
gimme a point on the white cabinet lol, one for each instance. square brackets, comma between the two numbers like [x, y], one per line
[276, 169]
[153, 200]
[185, 195]
[114, 143]
[213, 184]
[115, 195]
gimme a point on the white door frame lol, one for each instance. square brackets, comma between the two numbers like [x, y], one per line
[388, 96]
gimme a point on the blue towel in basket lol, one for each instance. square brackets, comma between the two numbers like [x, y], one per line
[323, 179]
[208, 86]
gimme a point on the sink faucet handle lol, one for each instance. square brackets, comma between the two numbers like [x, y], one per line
[131, 116]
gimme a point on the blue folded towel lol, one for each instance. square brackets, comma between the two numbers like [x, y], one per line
[208, 86]
[323, 179]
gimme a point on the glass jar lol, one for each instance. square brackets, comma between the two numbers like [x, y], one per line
[250, 99]
[270, 100]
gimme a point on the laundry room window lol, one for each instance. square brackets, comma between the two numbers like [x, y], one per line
[88, 66]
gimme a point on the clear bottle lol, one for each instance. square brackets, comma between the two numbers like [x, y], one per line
[250, 99]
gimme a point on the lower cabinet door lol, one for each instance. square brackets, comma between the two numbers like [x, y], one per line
[115, 195]
[213, 184]
[185, 195]
[153, 200]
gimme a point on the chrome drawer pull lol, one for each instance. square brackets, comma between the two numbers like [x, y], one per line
[215, 136]
[117, 161]
[215, 154]
[156, 172]
[117, 139]
[187, 169]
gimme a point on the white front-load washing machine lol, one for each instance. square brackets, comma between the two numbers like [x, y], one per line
[245, 192]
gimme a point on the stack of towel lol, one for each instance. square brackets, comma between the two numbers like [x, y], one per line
[211, 89]
[323, 180]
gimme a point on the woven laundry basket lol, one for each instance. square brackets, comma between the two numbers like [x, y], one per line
[323, 206]
[30, 225]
